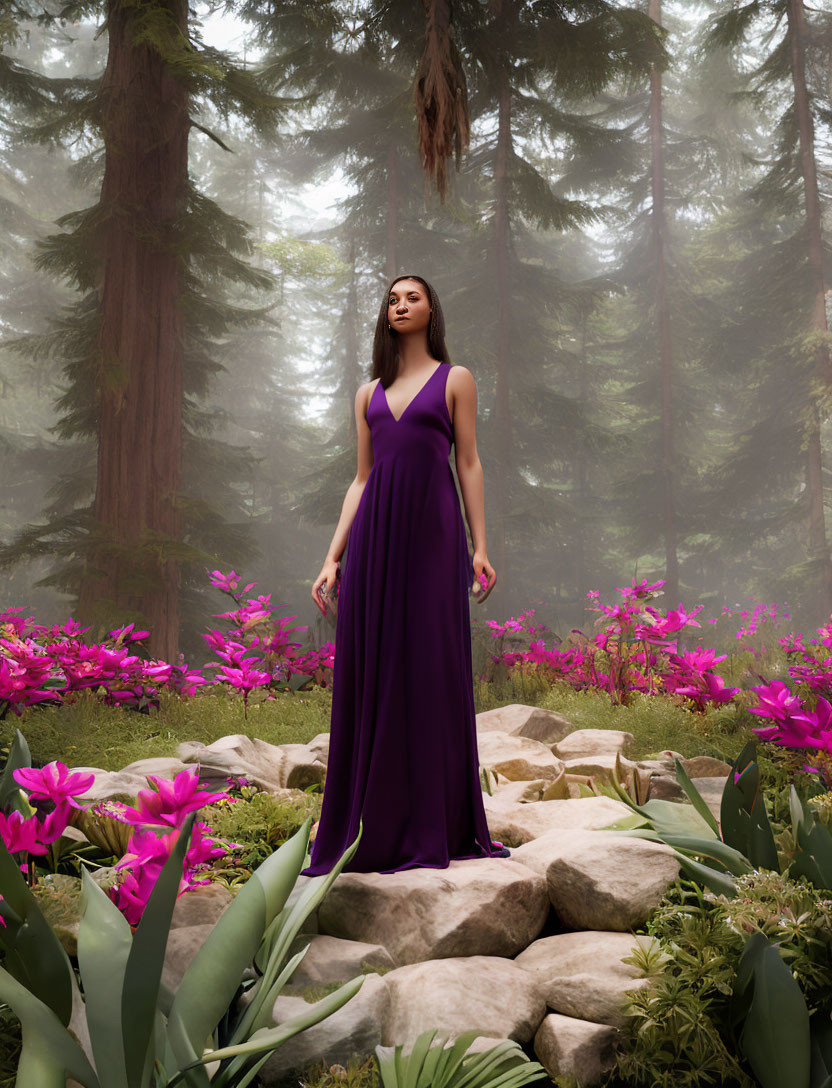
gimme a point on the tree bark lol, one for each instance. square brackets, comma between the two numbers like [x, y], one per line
[658, 222]
[140, 346]
[814, 464]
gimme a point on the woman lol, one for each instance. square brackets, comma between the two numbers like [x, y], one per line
[403, 743]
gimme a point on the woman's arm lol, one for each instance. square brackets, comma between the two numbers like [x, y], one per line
[356, 488]
[469, 467]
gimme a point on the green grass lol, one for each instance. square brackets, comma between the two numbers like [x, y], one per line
[86, 733]
[654, 720]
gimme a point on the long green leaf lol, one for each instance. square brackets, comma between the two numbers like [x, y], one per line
[719, 883]
[714, 849]
[146, 960]
[47, 1045]
[775, 1036]
[213, 976]
[696, 798]
[35, 956]
[19, 756]
[310, 897]
[104, 943]
[271, 1038]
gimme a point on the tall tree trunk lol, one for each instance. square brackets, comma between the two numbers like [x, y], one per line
[504, 461]
[141, 343]
[659, 230]
[814, 466]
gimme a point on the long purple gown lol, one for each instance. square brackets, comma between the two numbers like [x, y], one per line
[403, 743]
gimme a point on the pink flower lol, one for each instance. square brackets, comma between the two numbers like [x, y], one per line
[54, 783]
[170, 802]
[21, 834]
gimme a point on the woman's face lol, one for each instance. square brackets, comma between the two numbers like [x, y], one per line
[408, 307]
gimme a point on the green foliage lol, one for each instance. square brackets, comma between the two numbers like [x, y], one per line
[679, 1033]
[86, 733]
[140, 1033]
[433, 1064]
[260, 822]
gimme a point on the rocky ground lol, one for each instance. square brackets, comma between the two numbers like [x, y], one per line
[528, 947]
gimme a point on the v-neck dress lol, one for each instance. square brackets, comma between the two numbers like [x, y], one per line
[403, 743]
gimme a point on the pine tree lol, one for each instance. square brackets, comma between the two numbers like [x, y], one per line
[149, 258]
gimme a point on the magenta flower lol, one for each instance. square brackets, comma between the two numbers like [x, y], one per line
[170, 802]
[21, 834]
[54, 783]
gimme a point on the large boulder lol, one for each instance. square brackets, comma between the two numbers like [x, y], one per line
[351, 1032]
[488, 993]
[517, 757]
[601, 879]
[594, 742]
[565, 1045]
[332, 959]
[525, 721]
[183, 944]
[273, 767]
[477, 906]
[582, 973]
[523, 821]
[127, 782]
[201, 905]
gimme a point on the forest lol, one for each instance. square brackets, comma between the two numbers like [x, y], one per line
[624, 210]
[623, 213]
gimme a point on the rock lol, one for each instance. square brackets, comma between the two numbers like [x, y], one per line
[565, 1045]
[269, 766]
[517, 757]
[511, 792]
[353, 1031]
[601, 879]
[319, 747]
[582, 974]
[589, 743]
[488, 993]
[521, 822]
[477, 906]
[705, 767]
[525, 721]
[183, 944]
[602, 767]
[711, 790]
[332, 959]
[202, 905]
[665, 787]
[127, 782]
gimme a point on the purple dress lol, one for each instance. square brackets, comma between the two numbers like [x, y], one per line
[403, 742]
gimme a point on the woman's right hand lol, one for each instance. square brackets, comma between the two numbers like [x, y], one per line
[325, 583]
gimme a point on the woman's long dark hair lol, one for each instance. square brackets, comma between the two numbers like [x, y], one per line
[385, 346]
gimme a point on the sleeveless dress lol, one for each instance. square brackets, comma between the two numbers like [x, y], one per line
[403, 744]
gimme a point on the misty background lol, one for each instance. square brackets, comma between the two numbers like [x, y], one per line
[632, 260]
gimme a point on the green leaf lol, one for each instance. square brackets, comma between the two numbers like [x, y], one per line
[146, 960]
[19, 756]
[104, 943]
[47, 1045]
[262, 999]
[719, 883]
[696, 798]
[714, 849]
[34, 955]
[271, 1038]
[775, 1036]
[213, 976]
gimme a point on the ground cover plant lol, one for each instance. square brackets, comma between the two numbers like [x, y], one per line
[67, 706]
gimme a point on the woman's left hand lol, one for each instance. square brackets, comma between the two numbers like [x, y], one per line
[482, 566]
